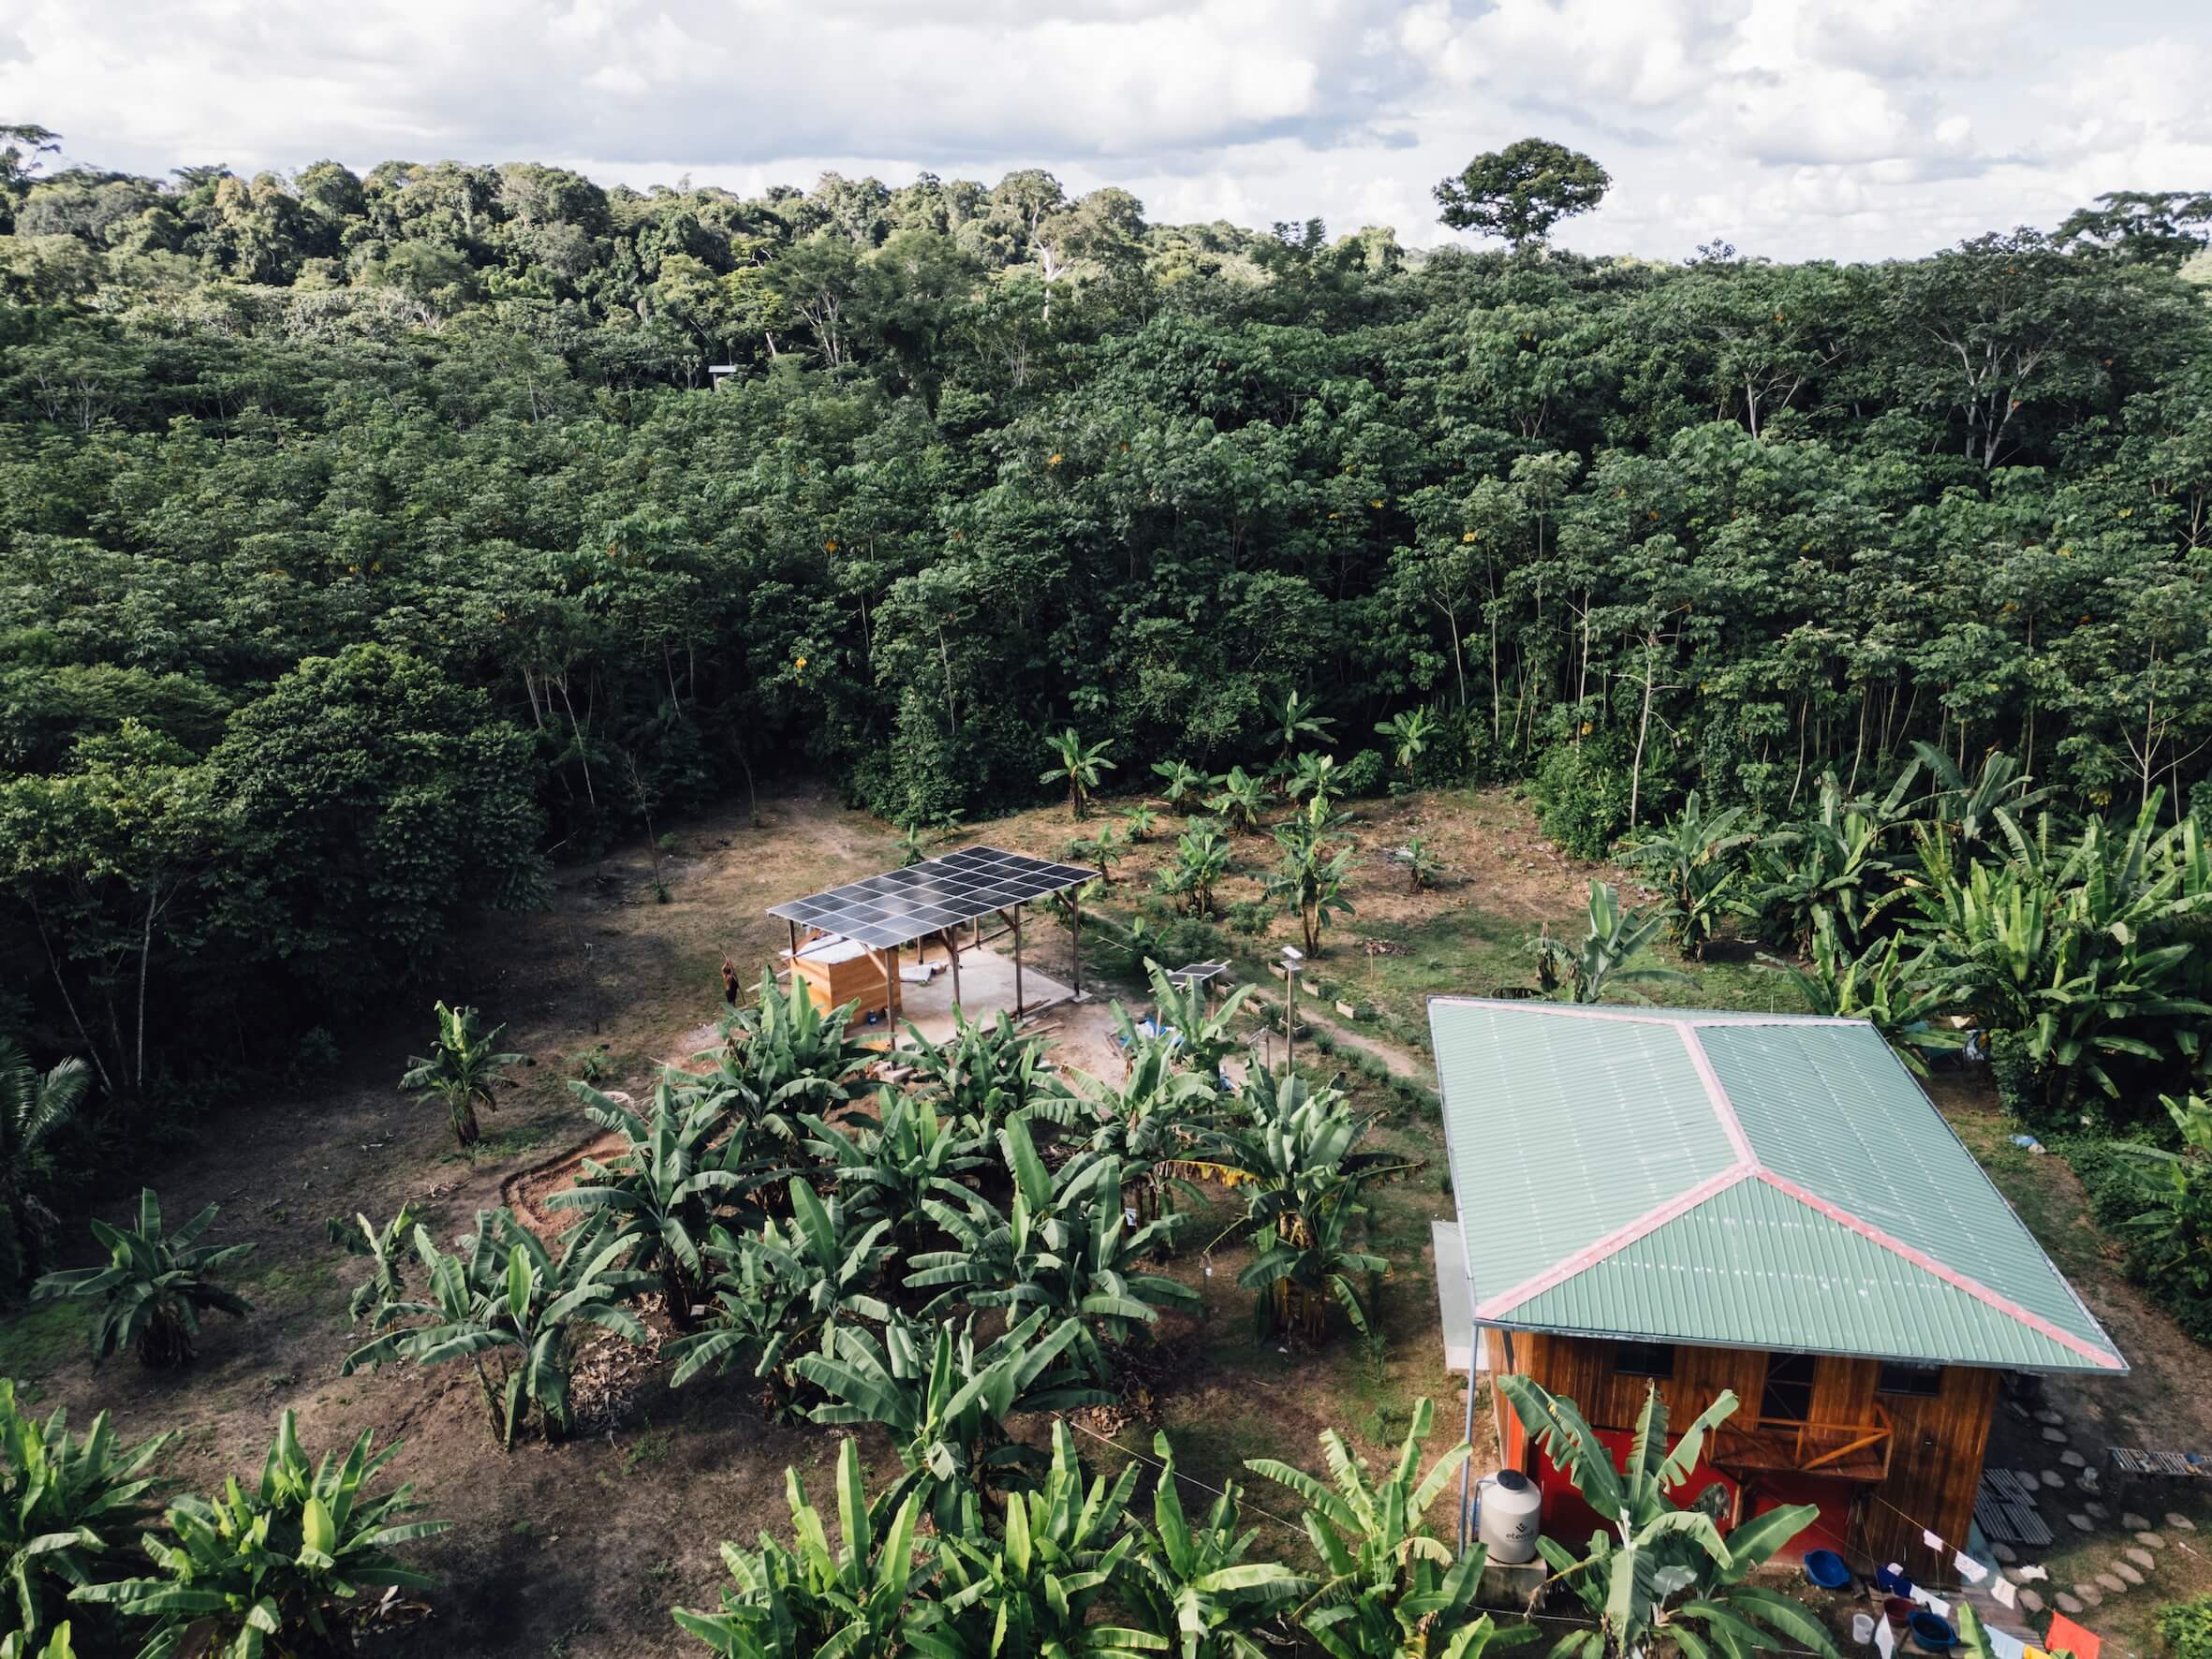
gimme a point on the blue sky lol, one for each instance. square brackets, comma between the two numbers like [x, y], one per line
[1794, 128]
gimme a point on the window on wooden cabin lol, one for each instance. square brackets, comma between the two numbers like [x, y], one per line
[1789, 1393]
[1922, 1382]
[1644, 1359]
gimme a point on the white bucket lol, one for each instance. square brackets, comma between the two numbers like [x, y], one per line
[1862, 1628]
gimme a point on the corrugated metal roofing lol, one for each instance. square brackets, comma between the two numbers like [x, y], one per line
[1759, 1181]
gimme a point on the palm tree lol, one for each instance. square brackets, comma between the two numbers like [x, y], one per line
[31, 1108]
[1693, 860]
[1078, 765]
[461, 1070]
[1663, 1572]
[1606, 954]
[1295, 722]
[1408, 731]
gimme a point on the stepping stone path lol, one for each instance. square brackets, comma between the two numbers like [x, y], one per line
[2180, 1522]
[2089, 1595]
[2149, 1539]
[2142, 1557]
[2128, 1570]
[2067, 1603]
[2049, 1419]
[2004, 1552]
[2135, 1522]
[2099, 1510]
[2072, 1458]
[2056, 1436]
[2051, 1477]
[2080, 1522]
[2113, 1582]
[2030, 1601]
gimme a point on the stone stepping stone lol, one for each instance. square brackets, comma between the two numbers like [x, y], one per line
[2056, 1436]
[2067, 1603]
[2049, 1419]
[2133, 1522]
[2018, 1574]
[2128, 1570]
[2073, 1460]
[2080, 1522]
[2030, 1601]
[2004, 1552]
[2149, 1539]
[2099, 1510]
[2142, 1557]
[2180, 1522]
[2089, 1595]
[2113, 1582]
[2051, 1477]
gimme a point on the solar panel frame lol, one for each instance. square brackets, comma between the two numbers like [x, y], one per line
[895, 907]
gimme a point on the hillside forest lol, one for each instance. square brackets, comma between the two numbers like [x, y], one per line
[371, 543]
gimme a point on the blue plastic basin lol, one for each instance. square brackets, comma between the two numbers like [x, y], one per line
[1933, 1632]
[1825, 1568]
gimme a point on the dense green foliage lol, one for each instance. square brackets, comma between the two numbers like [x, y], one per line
[366, 538]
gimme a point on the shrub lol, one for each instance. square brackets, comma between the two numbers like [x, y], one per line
[2185, 1627]
[2012, 1070]
[1250, 916]
[1365, 773]
[1581, 793]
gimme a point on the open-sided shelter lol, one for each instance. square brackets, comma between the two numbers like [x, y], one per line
[1706, 1201]
[842, 937]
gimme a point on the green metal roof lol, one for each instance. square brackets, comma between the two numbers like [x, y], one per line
[1756, 1180]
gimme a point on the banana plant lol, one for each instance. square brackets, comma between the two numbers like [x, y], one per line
[278, 1568]
[945, 1402]
[783, 1056]
[848, 1601]
[16, 1644]
[985, 1073]
[2174, 1232]
[1968, 815]
[1192, 1577]
[1662, 1572]
[1033, 1590]
[1203, 1037]
[1066, 1246]
[1385, 1586]
[1836, 859]
[1410, 732]
[1311, 876]
[1240, 797]
[1312, 775]
[785, 1288]
[1297, 1277]
[1296, 722]
[384, 1247]
[1900, 997]
[1077, 764]
[1200, 865]
[1425, 865]
[69, 1503]
[1697, 861]
[1159, 1115]
[461, 1069]
[512, 1310]
[1606, 955]
[1183, 784]
[660, 1193]
[32, 1107]
[154, 1287]
[888, 1165]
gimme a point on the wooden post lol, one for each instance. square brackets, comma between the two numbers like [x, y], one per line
[952, 950]
[1075, 938]
[795, 950]
[1017, 961]
[891, 990]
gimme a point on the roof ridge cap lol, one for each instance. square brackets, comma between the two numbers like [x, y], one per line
[1943, 1272]
[1613, 1243]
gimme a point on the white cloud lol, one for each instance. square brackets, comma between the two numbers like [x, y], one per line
[1847, 129]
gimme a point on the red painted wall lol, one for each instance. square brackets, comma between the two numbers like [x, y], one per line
[1570, 1520]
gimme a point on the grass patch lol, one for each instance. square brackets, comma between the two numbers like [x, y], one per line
[39, 1337]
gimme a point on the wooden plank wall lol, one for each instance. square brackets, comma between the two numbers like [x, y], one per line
[1938, 1442]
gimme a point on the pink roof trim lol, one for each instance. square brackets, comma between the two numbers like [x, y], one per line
[1928, 1264]
[1615, 1241]
[1723, 1108]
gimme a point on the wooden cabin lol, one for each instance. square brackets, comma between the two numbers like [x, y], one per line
[1699, 1201]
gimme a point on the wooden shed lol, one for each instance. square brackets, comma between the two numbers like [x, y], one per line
[1700, 1201]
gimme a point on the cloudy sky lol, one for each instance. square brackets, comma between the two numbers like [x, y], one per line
[1794, 128]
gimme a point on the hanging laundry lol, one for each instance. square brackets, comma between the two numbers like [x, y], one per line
[2003, 1645]
[2004, 1593]
[1972, 1571]
[1932, 1541]
[1885, 1637]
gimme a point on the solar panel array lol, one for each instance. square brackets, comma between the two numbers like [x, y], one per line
[899, 906]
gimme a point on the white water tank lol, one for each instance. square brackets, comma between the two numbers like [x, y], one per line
[1507, 1510]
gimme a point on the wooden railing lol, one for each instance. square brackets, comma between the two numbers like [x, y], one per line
[1854, 1451]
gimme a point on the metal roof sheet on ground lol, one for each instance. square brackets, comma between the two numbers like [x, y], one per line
[899, 906]
[1840, 1215]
